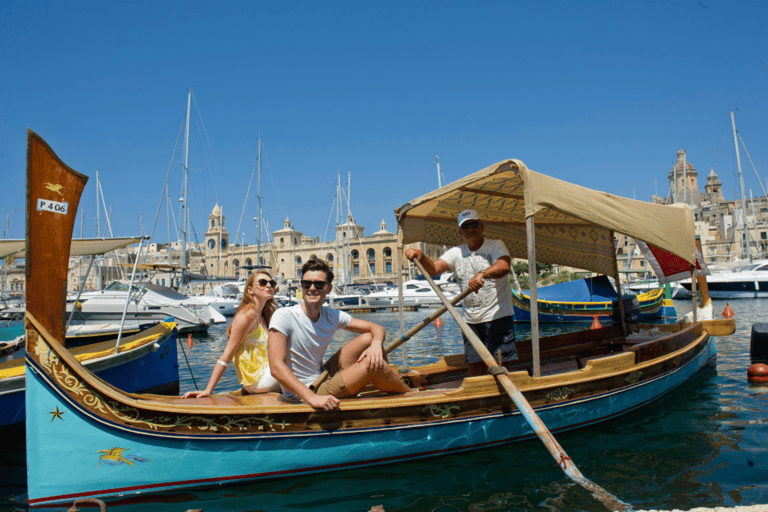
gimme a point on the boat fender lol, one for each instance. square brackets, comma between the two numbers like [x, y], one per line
[631, 309]
[758, 373]
[758, 344]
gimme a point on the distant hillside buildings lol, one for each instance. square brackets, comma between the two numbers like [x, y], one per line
[720, 223]
[728, 232]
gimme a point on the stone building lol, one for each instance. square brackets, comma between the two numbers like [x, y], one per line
[720, 223]
[362, 259]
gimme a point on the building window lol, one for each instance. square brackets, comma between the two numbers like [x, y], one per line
[356, 269]
[355, 254]
[298, 260]
[329, 258]
[388, 266]
[387, 252]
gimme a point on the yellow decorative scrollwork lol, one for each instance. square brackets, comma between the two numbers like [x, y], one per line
[132, 415]
[558, 394]
[441, 412]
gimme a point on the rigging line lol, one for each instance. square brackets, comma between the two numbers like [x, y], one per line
[242, 213]
[167, 176]
[205, 166]
[272, 178]
[333, 206]
[750, 162]
[359, 240]
[100, 191]
[204, 132]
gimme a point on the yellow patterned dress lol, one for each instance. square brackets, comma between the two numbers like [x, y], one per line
[251, 363]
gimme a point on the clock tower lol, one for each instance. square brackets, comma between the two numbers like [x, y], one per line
[216, 238]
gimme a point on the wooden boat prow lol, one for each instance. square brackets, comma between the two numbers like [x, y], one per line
[78, 424]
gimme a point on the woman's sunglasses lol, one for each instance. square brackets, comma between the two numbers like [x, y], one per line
[265, 282]
[319, 285]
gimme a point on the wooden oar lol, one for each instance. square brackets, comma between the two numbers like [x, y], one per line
[392, 346]
[557, 452]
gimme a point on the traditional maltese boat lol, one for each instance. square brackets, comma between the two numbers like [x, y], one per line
[582, 300]
[87, 439]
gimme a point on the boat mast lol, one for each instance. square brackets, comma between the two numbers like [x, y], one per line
[439, 181]
[744, 245]
[184, 197]
[338, 231]
[348, 223]
[258, 201]
[685, 178]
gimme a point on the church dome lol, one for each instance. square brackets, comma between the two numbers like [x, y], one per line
[678, 167]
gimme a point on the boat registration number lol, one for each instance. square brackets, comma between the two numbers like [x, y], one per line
[45, 205]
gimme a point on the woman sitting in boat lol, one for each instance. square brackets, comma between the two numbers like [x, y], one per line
[247, 344]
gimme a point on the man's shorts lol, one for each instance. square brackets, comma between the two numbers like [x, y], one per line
[497, 335]
[334, 386]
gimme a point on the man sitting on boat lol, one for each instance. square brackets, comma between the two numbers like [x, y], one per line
[300, 334]
[482, 265]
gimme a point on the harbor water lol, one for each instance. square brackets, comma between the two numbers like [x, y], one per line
[705, 445]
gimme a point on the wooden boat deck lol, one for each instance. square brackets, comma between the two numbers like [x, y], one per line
[564, 361]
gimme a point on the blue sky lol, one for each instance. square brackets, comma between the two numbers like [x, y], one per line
[602, 94]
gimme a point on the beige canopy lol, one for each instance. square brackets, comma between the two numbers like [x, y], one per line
[79, 246]
[574, 225]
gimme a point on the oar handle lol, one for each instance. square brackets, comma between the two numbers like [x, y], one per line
[425, 322]
[546, 437]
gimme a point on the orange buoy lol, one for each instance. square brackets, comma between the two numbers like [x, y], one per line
[189, 341]
[728, 312]
[758, 373]
[438, 322]
[596, 323]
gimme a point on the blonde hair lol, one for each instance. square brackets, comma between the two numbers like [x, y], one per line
[249, 302]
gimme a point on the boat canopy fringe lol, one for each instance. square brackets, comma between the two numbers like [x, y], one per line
[574, 225]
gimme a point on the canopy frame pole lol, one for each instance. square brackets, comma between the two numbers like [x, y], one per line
[533, 294]
[128, 298]
[622, 313]
[694, 294]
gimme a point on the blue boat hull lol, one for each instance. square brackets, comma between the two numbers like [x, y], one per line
[665, 314]
[112, 459]
[152, 372]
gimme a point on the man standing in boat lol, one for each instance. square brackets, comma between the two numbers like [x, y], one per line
[482, 265]
[300, 334]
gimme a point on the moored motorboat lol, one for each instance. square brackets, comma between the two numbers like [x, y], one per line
[146, 302]
[747, 282]
[573, 381]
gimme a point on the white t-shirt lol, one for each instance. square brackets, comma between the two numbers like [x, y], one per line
[307, 340]
[494, 299]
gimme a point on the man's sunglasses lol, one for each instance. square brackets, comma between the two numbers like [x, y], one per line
[265, 282]
[319, 285]
[470, 225]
